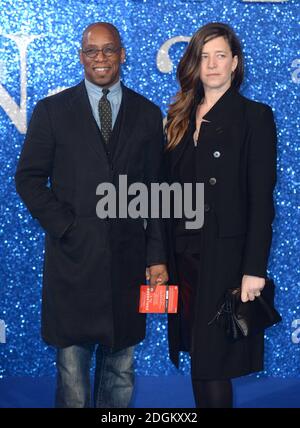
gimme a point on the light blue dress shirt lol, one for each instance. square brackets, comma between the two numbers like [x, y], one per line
[114, 97]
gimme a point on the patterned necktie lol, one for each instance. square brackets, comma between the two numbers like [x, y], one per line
[105, 115]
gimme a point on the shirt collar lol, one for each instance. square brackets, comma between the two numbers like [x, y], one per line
[97, 90]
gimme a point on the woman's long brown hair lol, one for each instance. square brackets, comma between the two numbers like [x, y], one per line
[188, 74]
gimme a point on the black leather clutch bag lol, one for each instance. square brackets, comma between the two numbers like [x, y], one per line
[247, 319]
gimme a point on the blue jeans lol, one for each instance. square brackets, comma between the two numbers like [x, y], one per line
[114, 377]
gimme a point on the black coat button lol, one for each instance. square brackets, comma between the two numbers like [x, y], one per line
[206, 207]
[216, 154]
[212, 181]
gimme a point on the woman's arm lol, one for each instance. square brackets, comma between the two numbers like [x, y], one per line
[261, 176]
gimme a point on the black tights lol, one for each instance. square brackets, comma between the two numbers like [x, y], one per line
[212, 393]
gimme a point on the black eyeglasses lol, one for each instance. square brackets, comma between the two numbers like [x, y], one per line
[106, 51]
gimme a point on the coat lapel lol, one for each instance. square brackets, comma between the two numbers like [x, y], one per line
[225, 119]
[226, 111]
[84, 120]
[128, 122]
[175, 154]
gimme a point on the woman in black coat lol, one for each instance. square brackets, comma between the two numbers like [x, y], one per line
[228, 142]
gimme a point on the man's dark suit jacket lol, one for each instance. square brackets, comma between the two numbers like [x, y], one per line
[93, 267]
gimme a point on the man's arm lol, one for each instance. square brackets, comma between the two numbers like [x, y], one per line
[33, 172]
[156, 253]
[155, 234]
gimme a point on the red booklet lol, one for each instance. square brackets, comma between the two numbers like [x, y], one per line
[163, 300]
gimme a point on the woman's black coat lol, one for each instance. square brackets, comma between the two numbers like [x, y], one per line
[93, 272]
[238, 150]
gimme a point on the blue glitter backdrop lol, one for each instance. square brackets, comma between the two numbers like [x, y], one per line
[39, 41]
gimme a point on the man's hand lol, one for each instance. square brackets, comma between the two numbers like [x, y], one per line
[251, 287]
[157, 275]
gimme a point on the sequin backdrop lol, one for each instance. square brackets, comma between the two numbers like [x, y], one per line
[38, 54]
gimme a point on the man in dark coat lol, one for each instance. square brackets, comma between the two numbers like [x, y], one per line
[86, 135]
